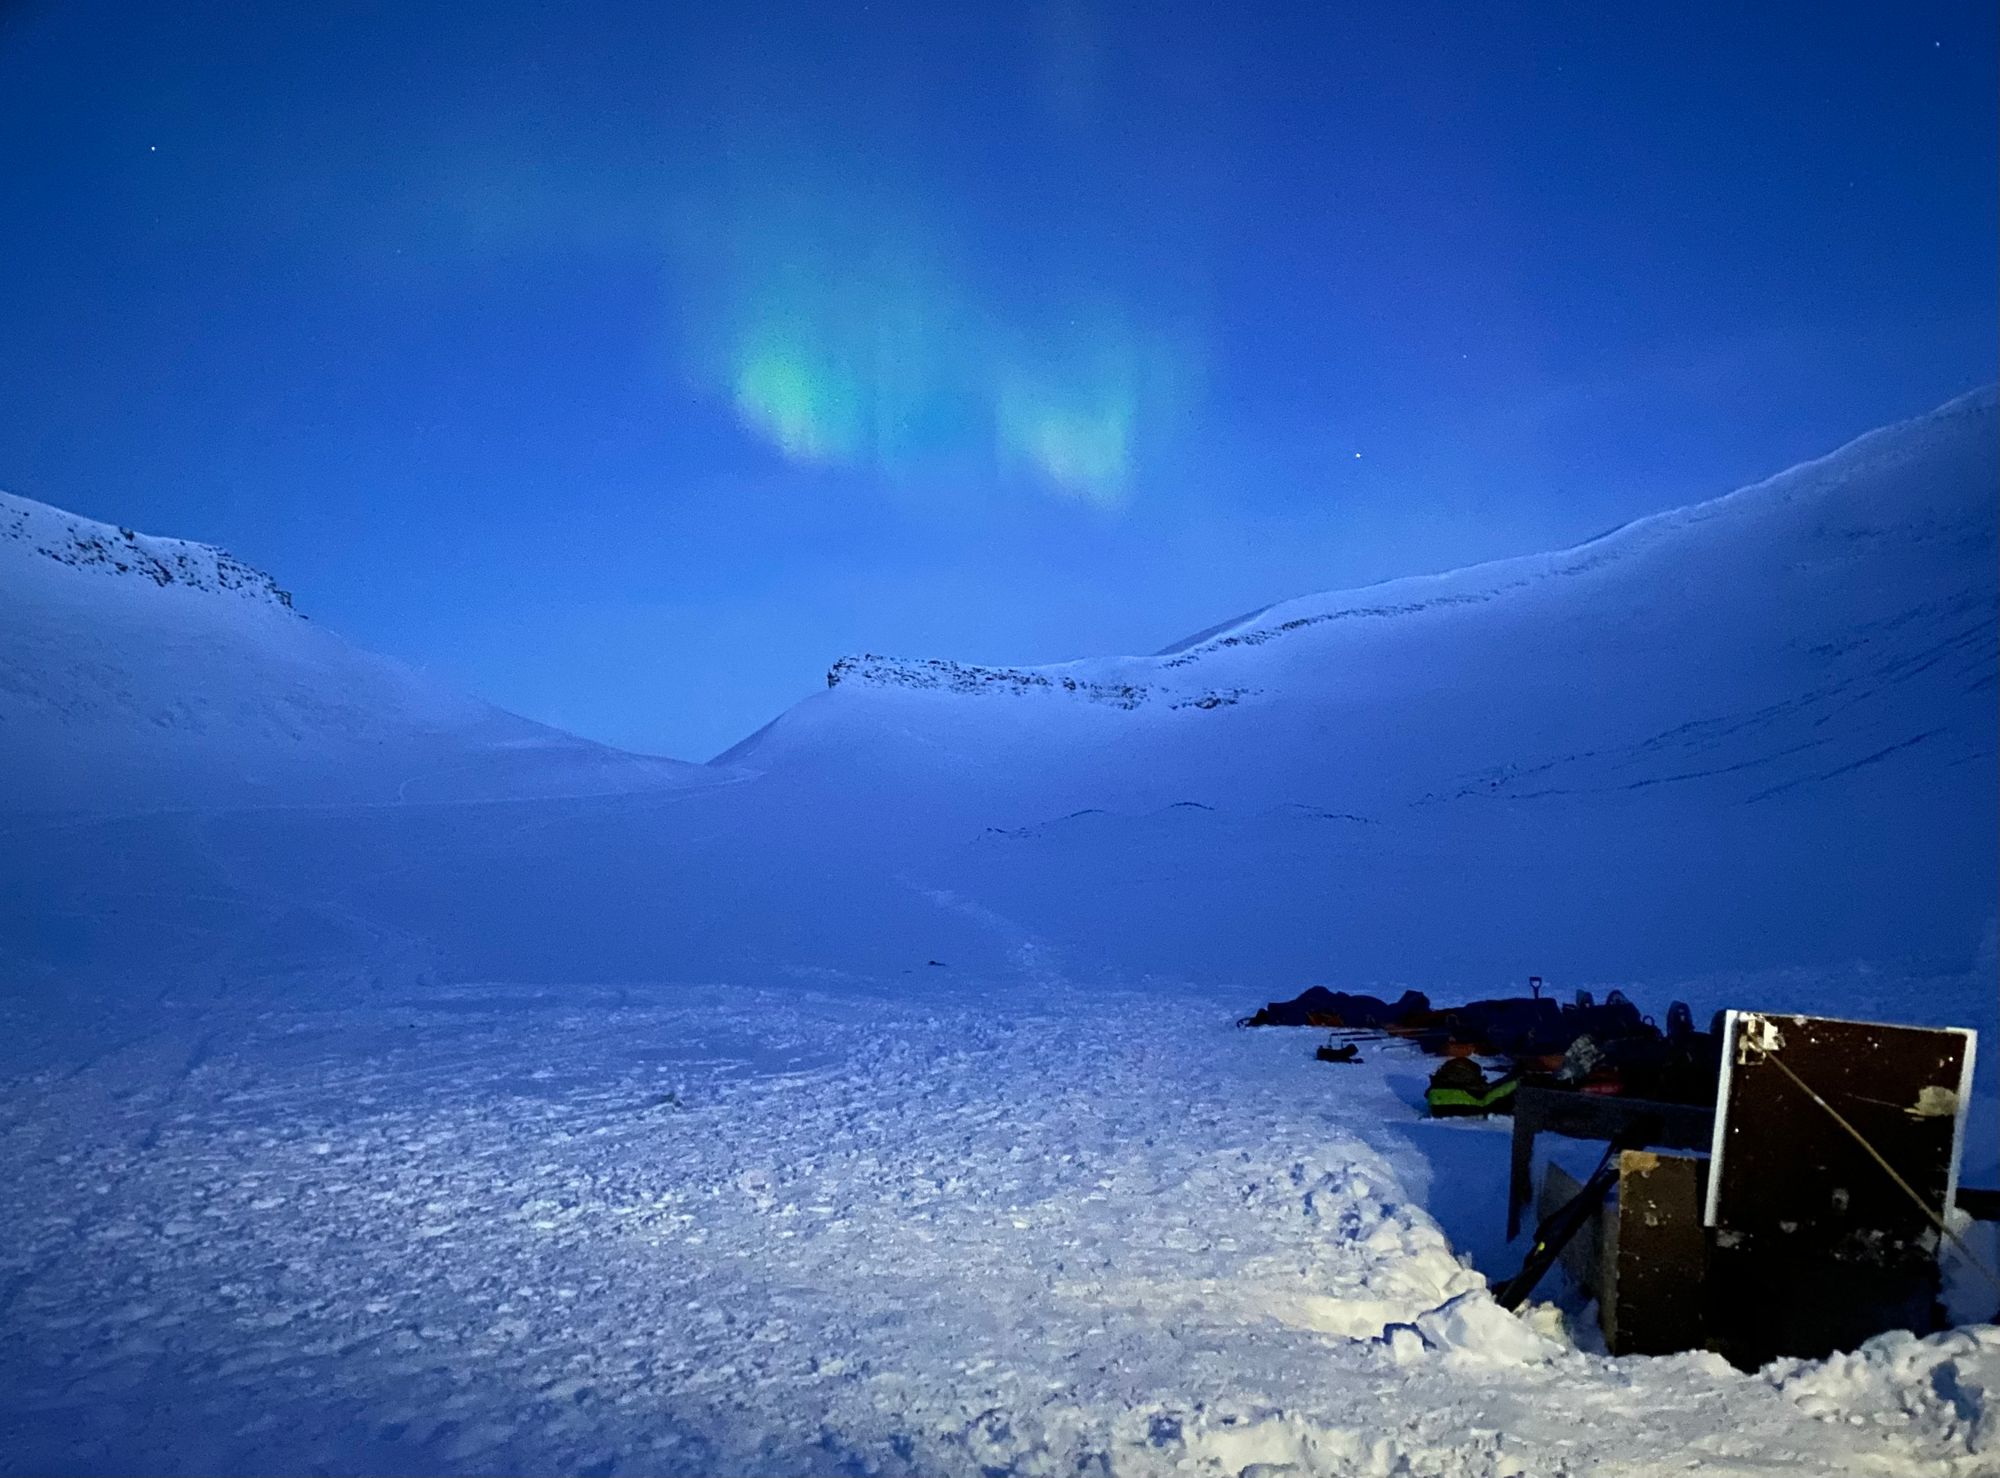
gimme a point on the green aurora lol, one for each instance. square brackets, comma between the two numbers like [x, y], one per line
[850, 329]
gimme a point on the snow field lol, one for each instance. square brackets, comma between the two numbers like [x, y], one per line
[947, 1230]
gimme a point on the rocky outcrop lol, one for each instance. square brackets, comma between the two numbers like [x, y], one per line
[85, 544]
[944, 676]
[958, 677]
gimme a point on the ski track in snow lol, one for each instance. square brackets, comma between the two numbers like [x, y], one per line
[733, 1230]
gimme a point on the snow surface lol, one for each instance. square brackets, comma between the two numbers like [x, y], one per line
[394, 1084]
[729, 1230]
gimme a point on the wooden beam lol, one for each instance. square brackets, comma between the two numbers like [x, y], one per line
[1591, 1116]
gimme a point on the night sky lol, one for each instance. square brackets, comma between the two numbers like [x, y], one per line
[628, 363]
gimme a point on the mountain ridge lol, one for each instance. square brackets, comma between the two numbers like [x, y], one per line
[91, 546]
[1755, 738]
[1271, 621]
[140, 671]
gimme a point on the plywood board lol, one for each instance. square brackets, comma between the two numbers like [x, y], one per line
[1656, 1295]
[1784, 1172]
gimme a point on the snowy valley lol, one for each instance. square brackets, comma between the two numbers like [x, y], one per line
[393, 1083]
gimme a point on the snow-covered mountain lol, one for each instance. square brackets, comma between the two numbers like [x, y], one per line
[144, 673]
[1753, 738]
[1832, 619]
[1756, 734]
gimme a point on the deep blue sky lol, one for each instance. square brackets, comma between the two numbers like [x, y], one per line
[628, 363]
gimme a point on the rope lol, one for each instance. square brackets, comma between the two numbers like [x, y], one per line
[1875, 1155]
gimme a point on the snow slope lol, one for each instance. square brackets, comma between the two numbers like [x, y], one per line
[142, 673]
[1759, 733]
[1774, 640]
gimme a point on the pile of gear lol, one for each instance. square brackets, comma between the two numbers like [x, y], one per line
[1579, 1045]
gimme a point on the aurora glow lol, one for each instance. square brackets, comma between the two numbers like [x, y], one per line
[848, 327]
[629, 362]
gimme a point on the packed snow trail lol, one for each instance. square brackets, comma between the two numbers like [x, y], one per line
[944, 1230]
